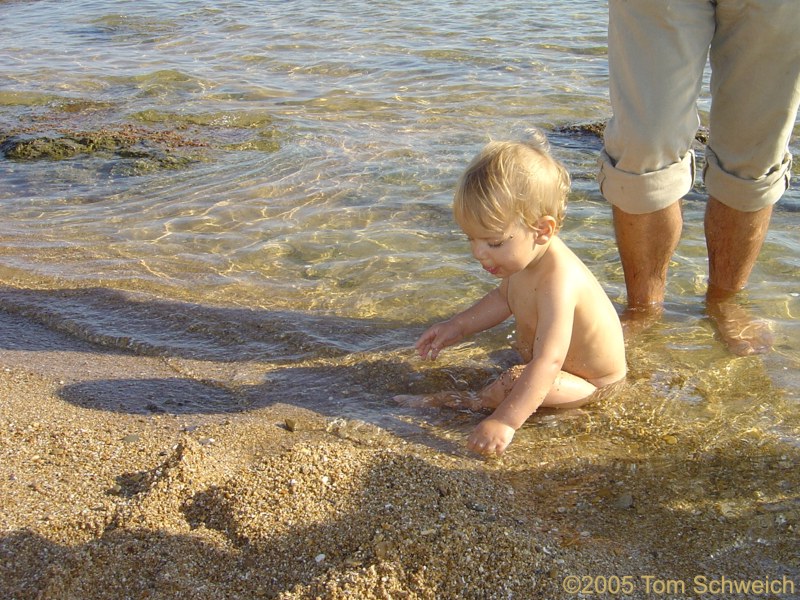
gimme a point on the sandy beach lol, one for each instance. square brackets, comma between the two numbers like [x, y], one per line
[285, 503]
[223, 226]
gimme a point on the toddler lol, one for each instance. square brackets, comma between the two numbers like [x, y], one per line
[510, 203]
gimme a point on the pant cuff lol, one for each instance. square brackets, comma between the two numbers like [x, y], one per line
[746, 195]
[647, 192]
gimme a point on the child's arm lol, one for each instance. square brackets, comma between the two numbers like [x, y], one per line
[551, 344]
[487, 312]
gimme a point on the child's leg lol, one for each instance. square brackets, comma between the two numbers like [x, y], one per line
[493, 394]
[449, 399]
[568, 391]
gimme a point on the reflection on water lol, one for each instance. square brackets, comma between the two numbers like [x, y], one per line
[308, 239]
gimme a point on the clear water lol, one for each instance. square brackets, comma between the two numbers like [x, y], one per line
[300, 253]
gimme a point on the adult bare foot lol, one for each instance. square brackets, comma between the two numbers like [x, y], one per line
[742, 333]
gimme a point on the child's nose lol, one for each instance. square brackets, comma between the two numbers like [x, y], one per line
[478, 250]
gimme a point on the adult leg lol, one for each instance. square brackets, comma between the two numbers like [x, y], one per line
[657, 54]
[646, 243]
[755, 87]
[734, 239]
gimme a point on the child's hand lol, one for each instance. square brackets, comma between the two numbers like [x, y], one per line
[491, 436]
[437, 337]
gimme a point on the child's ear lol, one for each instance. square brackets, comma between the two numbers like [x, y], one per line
[545, 229]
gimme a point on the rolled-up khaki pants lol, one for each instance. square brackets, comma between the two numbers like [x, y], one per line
[657, 53]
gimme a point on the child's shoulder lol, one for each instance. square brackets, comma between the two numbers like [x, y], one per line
[566, 257]
[565, 269]
[561, 261]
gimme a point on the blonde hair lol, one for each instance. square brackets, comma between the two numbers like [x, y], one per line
[512, 180]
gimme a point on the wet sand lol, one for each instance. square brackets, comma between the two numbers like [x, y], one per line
[280, 502]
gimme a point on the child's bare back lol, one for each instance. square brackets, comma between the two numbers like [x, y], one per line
[596, 350]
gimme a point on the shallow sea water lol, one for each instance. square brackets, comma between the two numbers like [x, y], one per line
[307, 239]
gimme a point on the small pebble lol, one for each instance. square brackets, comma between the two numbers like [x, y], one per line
[624, 500]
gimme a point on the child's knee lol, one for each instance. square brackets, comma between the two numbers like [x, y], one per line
[493, 394]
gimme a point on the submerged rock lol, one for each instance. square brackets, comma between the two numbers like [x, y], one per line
[21, 148]
[145, 151]
[597, 128]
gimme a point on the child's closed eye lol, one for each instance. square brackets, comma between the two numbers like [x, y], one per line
[492, 243]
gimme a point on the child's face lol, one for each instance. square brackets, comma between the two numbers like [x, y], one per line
[502, 253]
